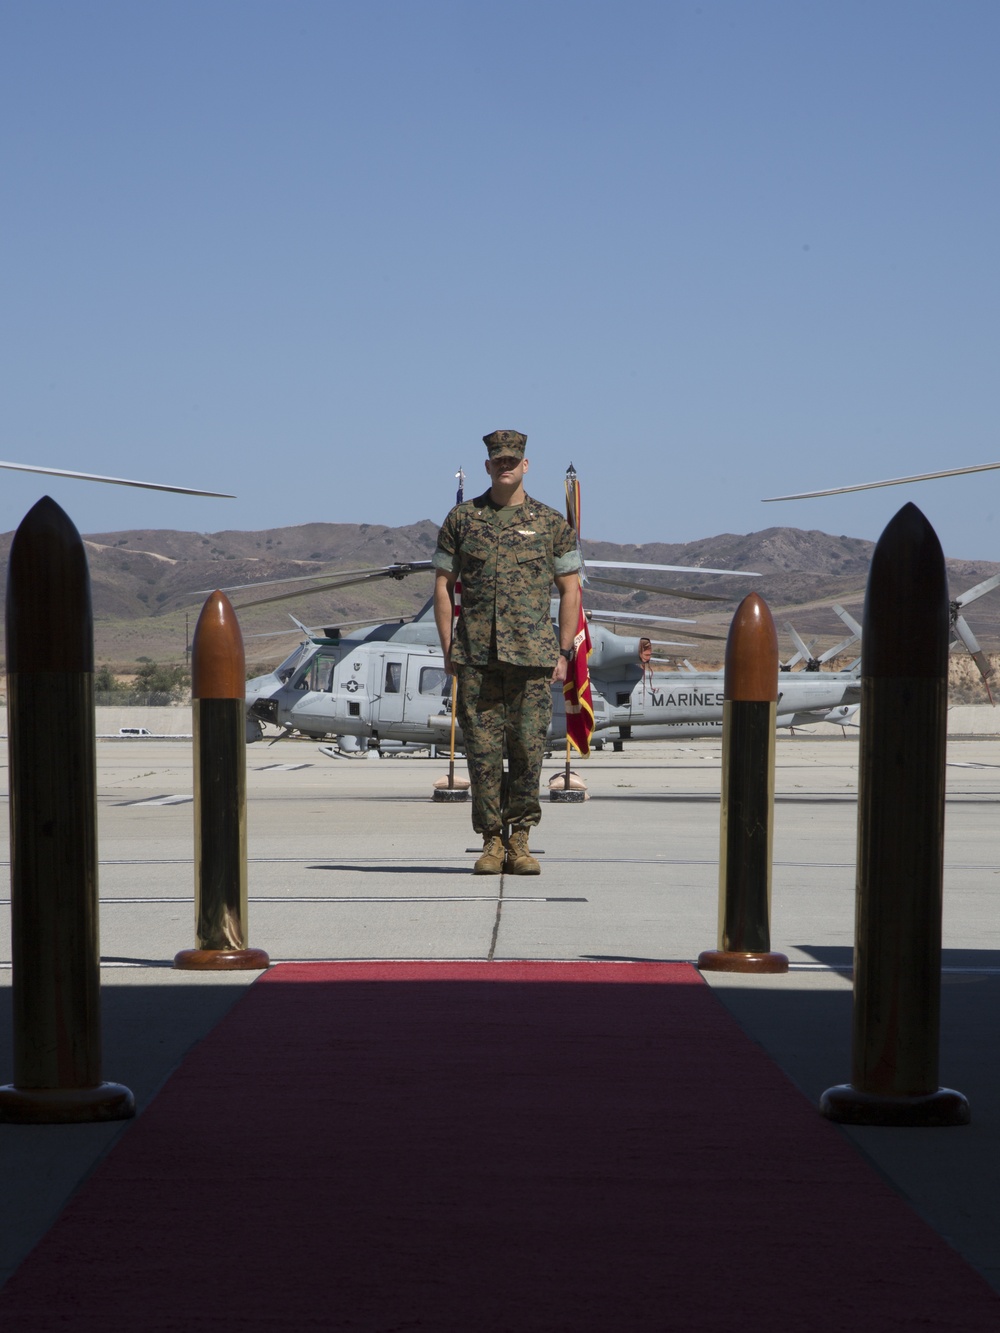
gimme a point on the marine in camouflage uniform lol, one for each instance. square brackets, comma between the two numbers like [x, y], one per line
[506, 550]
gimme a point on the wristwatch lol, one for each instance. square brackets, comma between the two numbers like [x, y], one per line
[568, 653]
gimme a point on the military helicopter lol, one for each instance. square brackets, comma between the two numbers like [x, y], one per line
[375, 684]
[369, 685]
[388, 683]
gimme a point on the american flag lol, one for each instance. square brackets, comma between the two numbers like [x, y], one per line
[459, 498]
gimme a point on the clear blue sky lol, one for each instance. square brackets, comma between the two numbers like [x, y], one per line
[311, 251]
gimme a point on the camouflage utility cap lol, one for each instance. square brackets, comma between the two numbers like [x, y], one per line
[505, 444]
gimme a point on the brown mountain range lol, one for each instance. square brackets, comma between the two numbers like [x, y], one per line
[146, 584]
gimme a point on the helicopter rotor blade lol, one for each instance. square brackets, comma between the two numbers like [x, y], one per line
[399, 570]
[838, 648]
[893, 481]
[806, 652]
[653, 587]
[634, 617]
[392, 572]
[803, 650]
[319, 632]
[965, 634]
[116, 481]
[671, 643]
[848, 620]
[630, 618]
[275, 634]
[267, 583]
[675, 569]
[710, 638]
[980, 590]
[289, 596]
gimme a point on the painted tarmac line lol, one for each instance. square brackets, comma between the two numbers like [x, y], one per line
[158, 800]
[349, 862]
[352, 898]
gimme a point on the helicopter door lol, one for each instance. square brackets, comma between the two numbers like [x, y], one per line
[428, 688]
[388, 688]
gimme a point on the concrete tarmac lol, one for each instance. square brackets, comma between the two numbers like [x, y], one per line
[352, 859]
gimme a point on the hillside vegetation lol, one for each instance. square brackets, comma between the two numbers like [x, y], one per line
[148, 586]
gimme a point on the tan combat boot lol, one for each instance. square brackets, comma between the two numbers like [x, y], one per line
[491, 861]
[519, 859]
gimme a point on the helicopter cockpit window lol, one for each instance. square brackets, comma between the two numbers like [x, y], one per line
[393, 677]
[285, 671]
[433, 680]
[321, 673]
[316, 674]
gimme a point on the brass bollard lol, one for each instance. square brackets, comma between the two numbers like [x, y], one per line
[53, 832]
[218, 693]
[901, 792]
[747, 811]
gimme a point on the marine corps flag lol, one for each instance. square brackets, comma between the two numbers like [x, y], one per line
[576, 692]
[576, 689]
[573, 501]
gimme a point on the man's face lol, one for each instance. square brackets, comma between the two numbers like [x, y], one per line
[506, 469]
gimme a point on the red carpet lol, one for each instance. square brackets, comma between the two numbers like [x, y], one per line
[501, 1146]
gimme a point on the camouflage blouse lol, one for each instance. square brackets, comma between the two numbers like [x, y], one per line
[506, 560]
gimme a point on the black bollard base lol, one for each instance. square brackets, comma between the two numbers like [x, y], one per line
[222, 960]
[847, 1105]
[451, 795]
[567, 794]
[65, 1106]
[725, 960]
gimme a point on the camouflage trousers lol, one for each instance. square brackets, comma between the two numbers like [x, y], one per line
[498, 703]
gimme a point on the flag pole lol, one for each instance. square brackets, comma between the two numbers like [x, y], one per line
[454, 705]
[573, 514]
[447, 790]
[564, 791]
